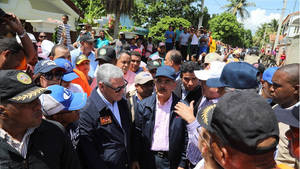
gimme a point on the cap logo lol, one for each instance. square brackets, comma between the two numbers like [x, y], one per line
[102, 51]
[68, 67]
[48, 62]
[24, 78]
[155, 63]
[81, 57]
[67, 94]
[204, 114]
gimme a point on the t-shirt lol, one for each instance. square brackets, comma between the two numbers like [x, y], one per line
[184, 38]
[195, 40]
[178, 33]
[82, 81]
[167, 35]
[100, 43]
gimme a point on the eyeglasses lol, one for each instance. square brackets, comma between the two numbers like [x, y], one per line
[42, 36]
[118, 89]
[51, 75]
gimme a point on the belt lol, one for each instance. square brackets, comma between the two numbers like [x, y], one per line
[161, 154]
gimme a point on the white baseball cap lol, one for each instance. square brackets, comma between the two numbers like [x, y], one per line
[214, 70]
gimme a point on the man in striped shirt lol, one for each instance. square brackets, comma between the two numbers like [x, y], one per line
[64, 30]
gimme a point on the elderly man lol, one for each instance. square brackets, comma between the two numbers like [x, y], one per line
[105, 123]
[28, 141]
[173, 59]
[240, 131]
[285, 92]
[160, 132]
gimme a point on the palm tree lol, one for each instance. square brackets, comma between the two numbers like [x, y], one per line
[273, 25]
[239, 7]
[118, 7]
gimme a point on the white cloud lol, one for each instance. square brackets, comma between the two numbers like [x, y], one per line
[258, 17]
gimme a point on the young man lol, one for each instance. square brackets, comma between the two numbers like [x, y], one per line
[62, 106]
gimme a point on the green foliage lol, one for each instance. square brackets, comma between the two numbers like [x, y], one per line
[226, 28]
[149, 12]
[157, 32]
[263, 32]
[239, 7]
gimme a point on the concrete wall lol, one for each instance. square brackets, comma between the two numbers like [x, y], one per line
[293, 52]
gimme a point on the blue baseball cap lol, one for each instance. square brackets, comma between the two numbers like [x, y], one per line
[65, 64]
[166, 71]
[61, 99]
[44, 66]
[238, 75]
[268, 74]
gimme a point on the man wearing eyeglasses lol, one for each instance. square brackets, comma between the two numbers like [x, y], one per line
[47, 73]
[161, 133]
[105, 123]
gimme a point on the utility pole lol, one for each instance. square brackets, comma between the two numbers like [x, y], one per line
[279, 26]
[201, 17]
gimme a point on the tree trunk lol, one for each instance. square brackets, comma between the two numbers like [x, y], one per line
[116, 26]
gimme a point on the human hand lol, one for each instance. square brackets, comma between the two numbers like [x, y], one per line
[135, 165]
[14, 22]
[185, 112]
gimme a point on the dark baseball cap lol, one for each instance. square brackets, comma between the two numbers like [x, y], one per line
[106, 53]
[86, 38]
[286, 116]
[45, 66]
[238, 75]
[152, 64]
[17, 86]
[166, 71]
[241, 119]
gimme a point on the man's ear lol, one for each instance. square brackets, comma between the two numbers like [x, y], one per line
[296, 89]
[220, 154]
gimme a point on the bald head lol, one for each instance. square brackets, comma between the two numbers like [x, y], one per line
[293, 72]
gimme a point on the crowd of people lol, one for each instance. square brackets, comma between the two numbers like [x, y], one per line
[188, 102]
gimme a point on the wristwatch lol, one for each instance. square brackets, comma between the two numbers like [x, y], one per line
[23, 34]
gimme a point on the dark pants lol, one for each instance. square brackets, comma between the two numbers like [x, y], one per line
[161, 162]
[177, 45]
[183, 51]
[169, 46]
[194, 50]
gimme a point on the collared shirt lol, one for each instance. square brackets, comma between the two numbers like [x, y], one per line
[93, 64]
[113, 107]
[160, 141]
[101, 42]
[205, 102]
[20, 147]
[184, 92]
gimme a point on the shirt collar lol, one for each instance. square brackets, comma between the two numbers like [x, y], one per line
[103, 98]
[166, 103]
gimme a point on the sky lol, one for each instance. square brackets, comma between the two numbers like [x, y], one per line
[264, 11]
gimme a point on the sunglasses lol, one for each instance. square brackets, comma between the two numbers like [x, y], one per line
[51, 75]
[118, 89]
[42, 36]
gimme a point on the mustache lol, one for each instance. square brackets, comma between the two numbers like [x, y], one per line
[162, 90]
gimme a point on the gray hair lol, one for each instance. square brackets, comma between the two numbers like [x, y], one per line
[122, 52]
[107, 71]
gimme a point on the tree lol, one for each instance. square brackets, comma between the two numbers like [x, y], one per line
[239, 7]
[263, 32]
[118, 7]
[226, 28]
[149, 12]
[157, 32]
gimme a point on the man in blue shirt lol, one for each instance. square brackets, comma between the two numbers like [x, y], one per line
[86, 48]
[169, 35]
[177, 35]
[101, 41]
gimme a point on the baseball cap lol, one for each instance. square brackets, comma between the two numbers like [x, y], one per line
[142, 78]
[17, 86]
[268, 74]
[212, 57]
[44, 66]
[86, 38]
[241, 126]
[238, 75]
[61, 99]
[65, 64]
[161, 44]
[46, 47]
[152, 64]
[166, 71]
[289, 117]
[214, 70]
[80, 59]
[106, 53]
